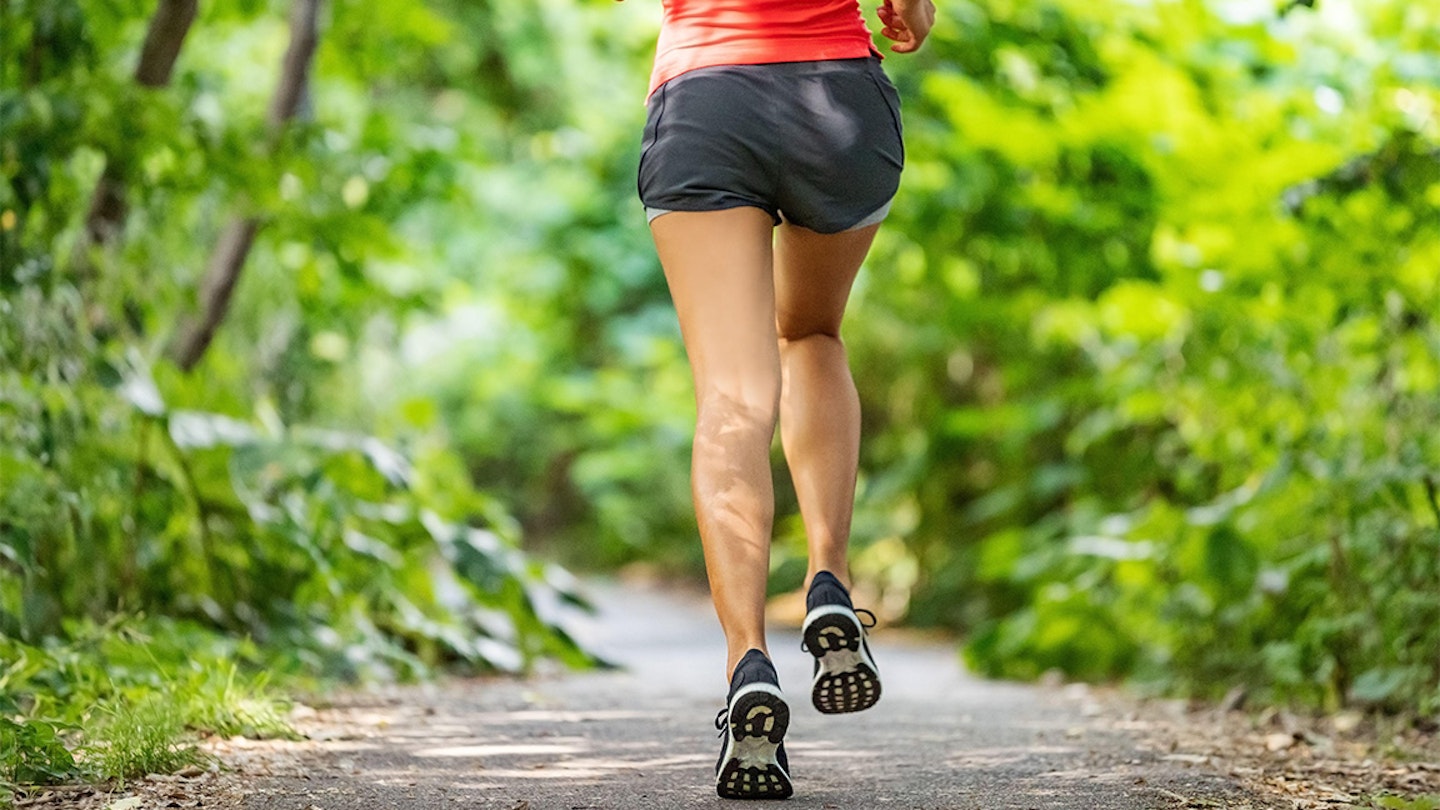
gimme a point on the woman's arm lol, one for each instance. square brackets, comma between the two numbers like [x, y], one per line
[907, 22]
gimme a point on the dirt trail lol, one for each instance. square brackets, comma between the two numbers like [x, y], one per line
[641, 737]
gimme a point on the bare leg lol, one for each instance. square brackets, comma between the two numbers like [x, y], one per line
[819, 408]
[720, 270]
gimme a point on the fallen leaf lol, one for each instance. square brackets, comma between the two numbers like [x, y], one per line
[1346, 722]
[1279, 741]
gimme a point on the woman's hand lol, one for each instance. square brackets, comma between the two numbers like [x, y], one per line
[907, 22]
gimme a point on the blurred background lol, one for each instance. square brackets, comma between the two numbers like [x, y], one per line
[332, 338]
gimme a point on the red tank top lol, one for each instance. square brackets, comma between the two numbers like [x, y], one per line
[705, 33]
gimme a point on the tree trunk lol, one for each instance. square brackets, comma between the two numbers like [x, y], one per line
[166, 34]
[226, 264]
[295, 74]
[216, 289]
[163, 40]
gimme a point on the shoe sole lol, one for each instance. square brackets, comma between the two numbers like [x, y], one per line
[750, 769]
[846, 679]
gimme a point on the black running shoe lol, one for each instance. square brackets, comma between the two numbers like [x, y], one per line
[846, 678]
[752, 761]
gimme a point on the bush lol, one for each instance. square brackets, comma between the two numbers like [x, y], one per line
[1172, 421]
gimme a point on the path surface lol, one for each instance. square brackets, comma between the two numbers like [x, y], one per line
[642, 737]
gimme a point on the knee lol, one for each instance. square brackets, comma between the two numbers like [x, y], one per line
[795, 328]
[820, 339]
[739, 409]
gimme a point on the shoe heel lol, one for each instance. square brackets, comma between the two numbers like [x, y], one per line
[845, 676]
[751, 765]
[832, 632]
[760, 713]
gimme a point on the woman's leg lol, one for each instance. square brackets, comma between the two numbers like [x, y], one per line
[720, 271]
[819, 408]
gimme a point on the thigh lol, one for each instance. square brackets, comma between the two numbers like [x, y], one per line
[719, 268]
[813, 276]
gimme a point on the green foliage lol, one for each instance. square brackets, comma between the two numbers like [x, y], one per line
[327, 543]
[33, 753]
[1171, 421]
[1147, 350]
[204, 497]
[278, 495]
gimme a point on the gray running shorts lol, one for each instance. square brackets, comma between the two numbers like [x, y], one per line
[813, 143]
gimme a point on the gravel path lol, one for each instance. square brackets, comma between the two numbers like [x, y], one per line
[641, 736]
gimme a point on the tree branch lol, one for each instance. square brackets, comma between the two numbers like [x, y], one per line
[222, 274]
[167, 31]
[168, 28]
[295, 75]
[216, 290]
[1432, 496]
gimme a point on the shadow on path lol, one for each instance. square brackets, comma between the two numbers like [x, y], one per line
[642, 737]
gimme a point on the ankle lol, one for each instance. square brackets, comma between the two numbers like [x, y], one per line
[840, 572]
[734, 656]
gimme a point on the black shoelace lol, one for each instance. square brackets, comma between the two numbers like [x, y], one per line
[859, 612]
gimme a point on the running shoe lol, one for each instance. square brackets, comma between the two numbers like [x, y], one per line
[752, 761]
[846, 678]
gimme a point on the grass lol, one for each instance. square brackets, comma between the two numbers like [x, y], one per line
[1427, 802]
[135, 739]
[128, 698]
[224, 703]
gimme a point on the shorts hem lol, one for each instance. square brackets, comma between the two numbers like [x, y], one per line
[652, 213]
